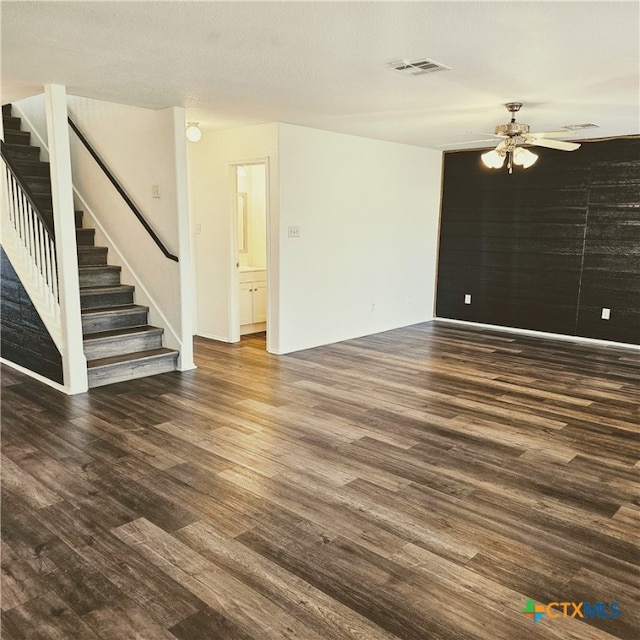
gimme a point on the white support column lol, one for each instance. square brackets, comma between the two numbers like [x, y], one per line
[187, 284]
[73, 360]
[3, 188]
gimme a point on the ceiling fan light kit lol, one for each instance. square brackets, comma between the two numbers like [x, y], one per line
[524, 157]
[515, 135]
[493, 159]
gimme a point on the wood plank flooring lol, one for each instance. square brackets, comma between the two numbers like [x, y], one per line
[422, 483]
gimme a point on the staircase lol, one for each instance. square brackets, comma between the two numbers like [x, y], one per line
[118, 343]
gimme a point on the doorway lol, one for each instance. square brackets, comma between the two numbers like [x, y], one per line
[250, 224]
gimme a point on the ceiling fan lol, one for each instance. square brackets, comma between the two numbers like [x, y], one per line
[514, 135]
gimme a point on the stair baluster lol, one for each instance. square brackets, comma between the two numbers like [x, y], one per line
[32, 246]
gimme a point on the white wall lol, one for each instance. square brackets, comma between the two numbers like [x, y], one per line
[33, 112]
[141, 148]
[368, 214]
[212, 194]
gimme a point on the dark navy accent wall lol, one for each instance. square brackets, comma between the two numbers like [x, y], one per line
[548, 247]
[24, 338]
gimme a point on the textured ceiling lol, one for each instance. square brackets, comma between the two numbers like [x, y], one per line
[323, 64]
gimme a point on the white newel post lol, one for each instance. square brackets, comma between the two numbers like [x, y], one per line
[187, 286]
[73, 360]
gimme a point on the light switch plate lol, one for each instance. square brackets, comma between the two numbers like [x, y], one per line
[467, 298]
[606, 313]
[294, 232]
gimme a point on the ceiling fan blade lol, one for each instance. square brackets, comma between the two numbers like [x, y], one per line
[459, 144]
[561, 145]
[553, 134]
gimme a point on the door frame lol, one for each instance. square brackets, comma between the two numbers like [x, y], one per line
[234, 293]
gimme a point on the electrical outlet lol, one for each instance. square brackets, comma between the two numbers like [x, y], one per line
[198, 228]
[606, 313]
[155, 191]
[467, 298]
[294, 232]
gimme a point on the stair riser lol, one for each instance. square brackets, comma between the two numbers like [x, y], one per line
[19, 153]
[34, 168]
[111, 322]
[48, 217]
[100, 278]
[94, 256]
[11, 136]
[127, 371]
[84, 237]
[97, 300]
[39, 186]
[44, 202]
[123, 345]
[11, 122]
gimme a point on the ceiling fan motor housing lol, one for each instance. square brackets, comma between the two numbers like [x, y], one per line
[512, 129]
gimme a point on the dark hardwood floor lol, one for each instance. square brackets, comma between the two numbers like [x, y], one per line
[420, 484]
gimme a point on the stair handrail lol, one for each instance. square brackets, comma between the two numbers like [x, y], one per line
[118, 187]
[30, 196]
[31, 246]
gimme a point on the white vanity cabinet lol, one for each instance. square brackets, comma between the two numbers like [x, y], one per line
[253, 300]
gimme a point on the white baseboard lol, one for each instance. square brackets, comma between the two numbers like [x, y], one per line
[256, 327]
[210, 336]
[541, 334]
[36, 376]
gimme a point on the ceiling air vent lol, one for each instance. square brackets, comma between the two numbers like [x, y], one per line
[579, 127]
[417, 67]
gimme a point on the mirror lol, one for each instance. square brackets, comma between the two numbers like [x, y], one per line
[242, 222]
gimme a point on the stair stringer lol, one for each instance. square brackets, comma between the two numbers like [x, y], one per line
[129, 275]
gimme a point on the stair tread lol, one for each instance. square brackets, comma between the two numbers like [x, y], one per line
[151, 354]
[106, 288]
[21, 147]
[126, 308]
[32, 164]
[29, 176]
[49, 212]
[128, 331]
[19, 134]
[99, 267]
[11, 122]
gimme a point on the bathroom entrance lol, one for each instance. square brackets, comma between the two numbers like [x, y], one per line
[251, 245]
